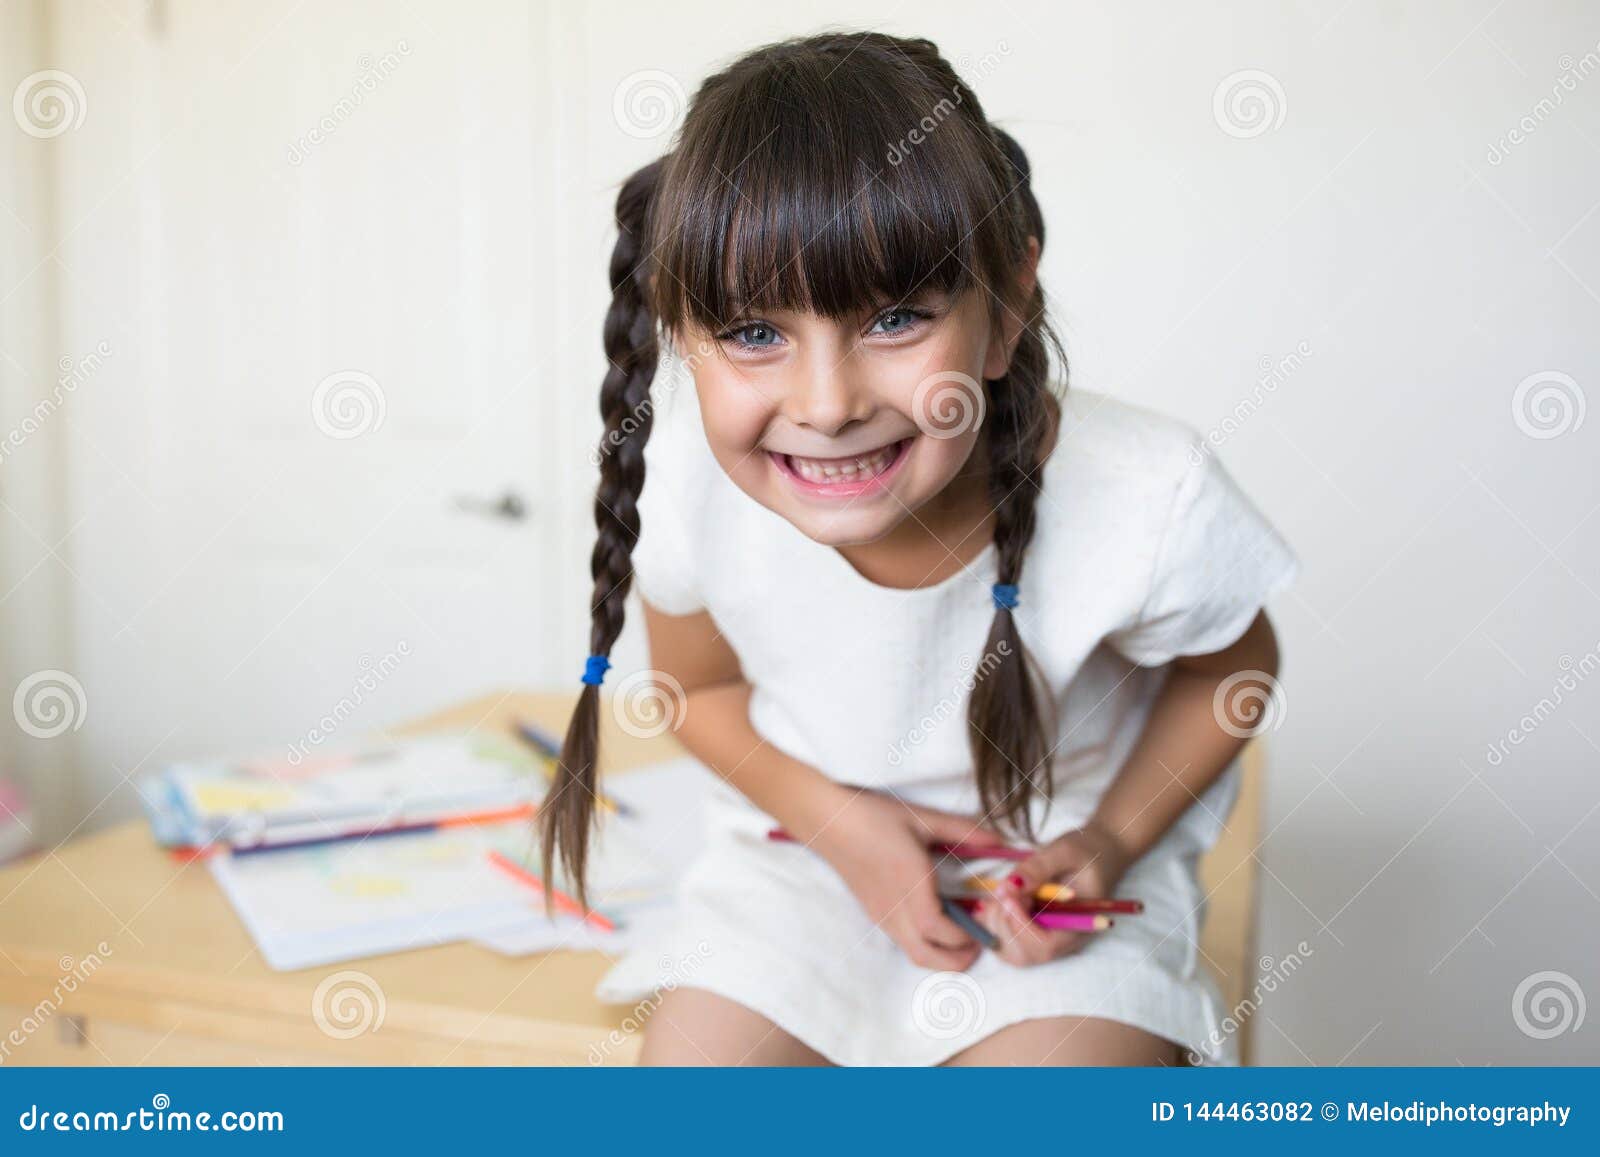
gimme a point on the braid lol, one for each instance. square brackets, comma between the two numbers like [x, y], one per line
[566, 817]
[1009, 736]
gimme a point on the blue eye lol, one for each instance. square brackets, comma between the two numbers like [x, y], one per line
[898, 320]
[753, 335]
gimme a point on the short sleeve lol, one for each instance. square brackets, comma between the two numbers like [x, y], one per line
[1218, 563]
[664, 565]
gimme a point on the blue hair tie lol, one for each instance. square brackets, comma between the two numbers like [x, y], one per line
[1005, 596]
[595, 669]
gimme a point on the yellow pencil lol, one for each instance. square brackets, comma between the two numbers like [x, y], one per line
[1042, 892]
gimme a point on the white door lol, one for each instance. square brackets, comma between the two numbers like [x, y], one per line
[315, 473]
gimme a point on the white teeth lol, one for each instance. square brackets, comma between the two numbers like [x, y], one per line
[835, 470]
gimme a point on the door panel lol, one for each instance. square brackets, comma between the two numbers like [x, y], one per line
[318, 244]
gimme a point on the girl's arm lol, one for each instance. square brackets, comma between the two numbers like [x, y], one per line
[1182, 750]
[877, 844]
[1185, 747]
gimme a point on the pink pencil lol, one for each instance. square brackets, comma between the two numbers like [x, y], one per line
[1072, 921]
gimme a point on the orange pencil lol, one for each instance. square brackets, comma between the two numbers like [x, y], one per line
[559, 899]
[1042, 892]
[475, 818]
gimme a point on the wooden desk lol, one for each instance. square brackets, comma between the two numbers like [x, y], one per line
[179, 982]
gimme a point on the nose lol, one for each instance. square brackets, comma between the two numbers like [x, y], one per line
[828, 395]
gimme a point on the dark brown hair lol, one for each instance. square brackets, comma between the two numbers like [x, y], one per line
[826, 174]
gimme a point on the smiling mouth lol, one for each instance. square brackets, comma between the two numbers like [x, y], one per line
[844, 475]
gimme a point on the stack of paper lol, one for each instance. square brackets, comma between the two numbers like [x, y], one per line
[336, 901]
[399, 846]
[258, 802]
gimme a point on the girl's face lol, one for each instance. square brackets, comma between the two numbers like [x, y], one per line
[847, 427]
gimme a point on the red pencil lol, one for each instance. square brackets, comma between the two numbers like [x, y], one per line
[961, 851]
[1069, 907]
[1126, 907]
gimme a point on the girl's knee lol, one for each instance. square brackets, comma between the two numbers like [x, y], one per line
[694, 1027]
[1071, 1040]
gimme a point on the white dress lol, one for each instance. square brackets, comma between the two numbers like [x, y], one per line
[1144, 549]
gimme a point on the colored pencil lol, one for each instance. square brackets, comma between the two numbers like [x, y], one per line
[1078, 907]
[1123, 907]
[1060, 898]
[559, 899]
[460, 821]
[961, 851]
[962, 917]
[1042, 892]
[964, 851]
[1046, 916]
[510, 813]
[547, 746]
[1072, 921]
[185, 853]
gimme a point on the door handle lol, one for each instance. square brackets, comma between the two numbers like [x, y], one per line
[508, 506]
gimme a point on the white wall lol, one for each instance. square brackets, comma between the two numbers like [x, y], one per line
[34, 634]
[1411, 280]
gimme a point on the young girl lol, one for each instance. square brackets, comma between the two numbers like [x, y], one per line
[906, 593]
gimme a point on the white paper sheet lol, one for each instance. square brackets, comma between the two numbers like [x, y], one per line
[313, 906]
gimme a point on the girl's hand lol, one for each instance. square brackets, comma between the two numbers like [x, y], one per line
[1090, 861]
[879, 845]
